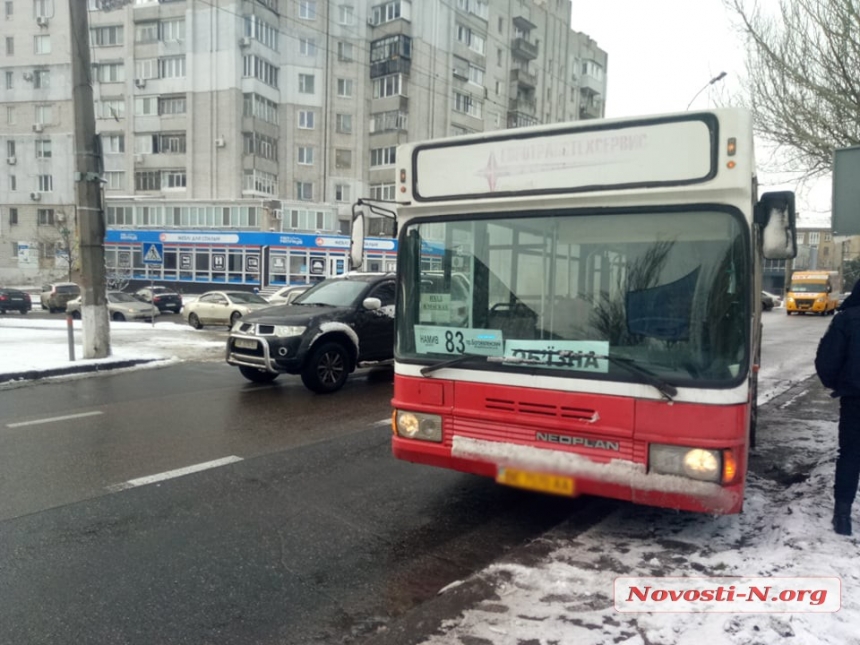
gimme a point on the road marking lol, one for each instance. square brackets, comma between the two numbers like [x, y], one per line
[383, 422]
[52, 419]
[170, 474]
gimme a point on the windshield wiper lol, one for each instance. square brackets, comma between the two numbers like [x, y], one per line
[666, 389]
[462, 358]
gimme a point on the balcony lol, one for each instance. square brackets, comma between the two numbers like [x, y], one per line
[390, 66]
[523, 24]
[590, 83]
[591, 109]
[523, 78]
[526, 104]
[522, 48]
[520, 119]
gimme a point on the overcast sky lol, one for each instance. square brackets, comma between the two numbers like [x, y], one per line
[662, 52]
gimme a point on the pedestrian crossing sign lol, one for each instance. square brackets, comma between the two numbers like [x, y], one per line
[153, 253]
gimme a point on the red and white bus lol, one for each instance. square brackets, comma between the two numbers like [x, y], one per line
[578, 306]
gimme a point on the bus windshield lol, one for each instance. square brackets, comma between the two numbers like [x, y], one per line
[579, 296]
[808, 287]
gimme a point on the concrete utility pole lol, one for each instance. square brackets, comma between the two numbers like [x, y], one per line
[91, 220]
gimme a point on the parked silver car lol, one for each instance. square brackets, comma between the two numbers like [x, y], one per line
[286, 295]
[121, 306]
[221, 308]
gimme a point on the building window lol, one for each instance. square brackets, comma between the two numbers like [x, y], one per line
[307, 47]
[10, 46]
[388, 86]
[13, 216]
[345, 88]
[41, 78]
[343, 159]
[259, 107]
[383, 156]
[344, 123]
[390, 47]
[382, 192]
[10, 115]
[306, 155]
[10, 148]
[261, 31]
[342, 193]
[304, 191]
[45, 183]
[147, 180]
[45, 216]
[146, 106]
[146, 32]
[42, 44]
[9, 80]
[106, 36]
[386, 12]
[256, 67]
[471, 39]
[172, 179]
[306, 119]
[171, 30]
[345, 52]
[109, 72]
[43, 8]
[13, 182]
[171, 67]
[466, 104]
[308, 9]
[390, 121]
[171, 105]
[346, 15]
[112, 109]
[43, 148]
[814, 236]
[258, 181]
[114, 180]
[306, 83]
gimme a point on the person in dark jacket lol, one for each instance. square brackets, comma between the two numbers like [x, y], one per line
[837, 363]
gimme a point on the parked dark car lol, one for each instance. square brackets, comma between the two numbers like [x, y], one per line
[165, 298]
[326, 333]
[14, 300]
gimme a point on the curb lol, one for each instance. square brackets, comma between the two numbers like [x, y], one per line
[35, 375]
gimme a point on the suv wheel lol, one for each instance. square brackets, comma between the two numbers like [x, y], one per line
[257, 376]
[327, 368]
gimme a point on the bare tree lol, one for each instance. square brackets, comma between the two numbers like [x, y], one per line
[802, 80]
[57, 234]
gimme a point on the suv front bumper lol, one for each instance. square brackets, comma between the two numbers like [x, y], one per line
[270, 353]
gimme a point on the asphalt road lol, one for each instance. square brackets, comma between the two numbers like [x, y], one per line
[316, 536]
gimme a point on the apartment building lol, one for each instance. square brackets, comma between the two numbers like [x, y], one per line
[265, 115]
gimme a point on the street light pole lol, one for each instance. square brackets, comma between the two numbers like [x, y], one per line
[95, 323]
[716, 78]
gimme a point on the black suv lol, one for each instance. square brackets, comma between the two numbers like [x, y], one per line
[337, 325]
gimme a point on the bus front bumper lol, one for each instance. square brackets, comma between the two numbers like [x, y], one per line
[618, 479]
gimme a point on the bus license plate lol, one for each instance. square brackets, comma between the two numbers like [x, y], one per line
[241, 343]
[541, 482]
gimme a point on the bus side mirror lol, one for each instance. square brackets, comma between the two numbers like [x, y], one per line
[356, 244]
[776, 214]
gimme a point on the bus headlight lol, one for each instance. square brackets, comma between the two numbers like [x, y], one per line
[695, 463]
[416, 425]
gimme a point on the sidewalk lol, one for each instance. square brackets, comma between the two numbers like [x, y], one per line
[33, 348]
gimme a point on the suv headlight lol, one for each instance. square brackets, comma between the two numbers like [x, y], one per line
[286, 331]
[696, 463]
[416, 425]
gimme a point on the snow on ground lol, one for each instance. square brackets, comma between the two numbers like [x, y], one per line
[783, 532]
